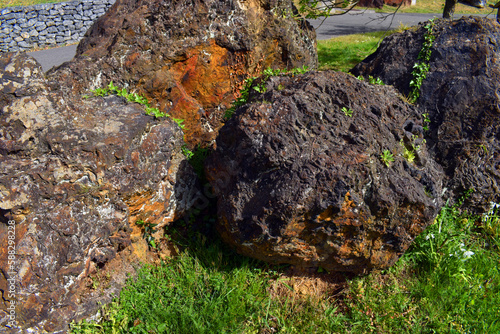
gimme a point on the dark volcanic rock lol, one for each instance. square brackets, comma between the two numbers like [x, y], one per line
[298, 181]
[190, 57]
[74, 179]
[461, 95]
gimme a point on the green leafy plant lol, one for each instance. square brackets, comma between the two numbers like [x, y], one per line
[410, 150]
[134, 98]
[421, 68]
[186, 151]
[408, 154]
[347, 111]
[259, 86]
[147, 234]
[427, 120]
[387, 157]
[375, 81]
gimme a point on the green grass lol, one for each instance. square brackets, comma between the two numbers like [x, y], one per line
[12, 3]
[448, 282]
[344, 52]
[208, 289]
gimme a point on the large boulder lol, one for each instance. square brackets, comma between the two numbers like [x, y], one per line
[461, 96]
[189, 57]
[299, 181]
[74, 180]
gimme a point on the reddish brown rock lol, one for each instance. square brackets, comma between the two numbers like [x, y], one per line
[461, 96]
[74, 179]
[299, 181]
[189, 57]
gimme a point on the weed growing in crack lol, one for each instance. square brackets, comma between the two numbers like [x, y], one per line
[347, 111]
[387, 157]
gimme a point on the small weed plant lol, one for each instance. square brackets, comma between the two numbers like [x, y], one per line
[387, 157]
[375, 81]
[347, 111]
[426, 121]
[372, 80]
[148, 231]
[410, 150]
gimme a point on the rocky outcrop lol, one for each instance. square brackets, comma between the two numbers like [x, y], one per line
[74, 180]
[299, 176]
[461, 96]
[189, 57]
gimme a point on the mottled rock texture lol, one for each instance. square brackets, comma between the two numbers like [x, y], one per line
[190, 57]
[75, 178]
[461, 95]
[298, 181]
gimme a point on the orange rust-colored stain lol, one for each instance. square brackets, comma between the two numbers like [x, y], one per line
[294, 229]
[326, 215]
[143, 206]
[130, 61]
[201, 82]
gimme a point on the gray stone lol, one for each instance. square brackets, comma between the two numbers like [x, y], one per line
[46, 6]
[32, 15]
[8, 16]
[23, 44]
[28, 24]
[40, 27]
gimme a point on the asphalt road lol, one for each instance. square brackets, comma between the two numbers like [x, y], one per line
[350, 23]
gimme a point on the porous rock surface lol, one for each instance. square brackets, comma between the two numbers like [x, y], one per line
[298, 181]
[461, 96]
[189, 57]
[75, 178]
